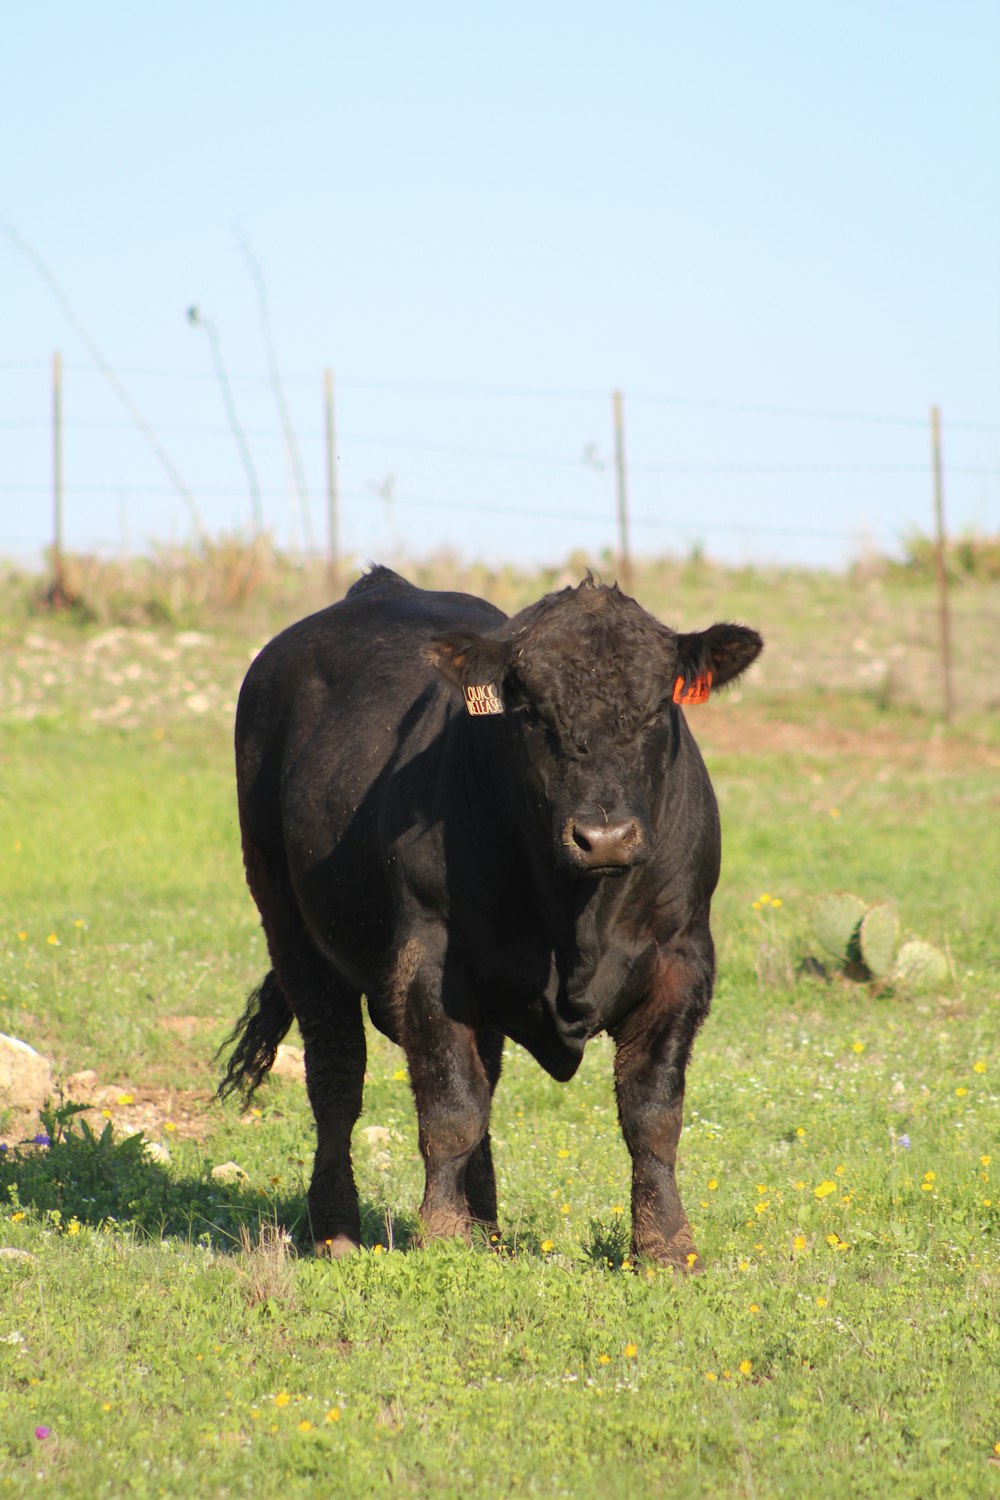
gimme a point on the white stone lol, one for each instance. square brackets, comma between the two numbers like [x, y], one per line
[229, 1171]
[289, 1062]
[25, 1077]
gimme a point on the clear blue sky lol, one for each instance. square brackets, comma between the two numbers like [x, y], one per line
[769, 225]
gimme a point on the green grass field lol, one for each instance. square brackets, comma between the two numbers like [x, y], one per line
[839, 1162]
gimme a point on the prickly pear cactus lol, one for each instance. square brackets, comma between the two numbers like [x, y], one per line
[919, 968]
[877, 938]
[835, 921]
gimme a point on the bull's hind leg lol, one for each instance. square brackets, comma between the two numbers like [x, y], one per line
[329, 1015]
[334, 1038]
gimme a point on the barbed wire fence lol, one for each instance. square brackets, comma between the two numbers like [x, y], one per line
[617, 518]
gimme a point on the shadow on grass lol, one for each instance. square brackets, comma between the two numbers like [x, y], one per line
[69, 1174]
[74, 1174]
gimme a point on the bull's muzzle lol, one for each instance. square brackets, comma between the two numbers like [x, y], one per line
[603, 847]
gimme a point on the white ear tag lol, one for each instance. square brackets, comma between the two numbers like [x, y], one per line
[483, 698]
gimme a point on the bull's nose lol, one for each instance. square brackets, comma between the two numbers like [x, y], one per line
[598, 846]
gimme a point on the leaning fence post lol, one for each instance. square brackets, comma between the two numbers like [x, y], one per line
[944, 607]
[59, 595]
[332, 497]
[624, 554]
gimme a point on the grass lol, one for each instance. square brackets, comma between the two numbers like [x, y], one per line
[839, 1159]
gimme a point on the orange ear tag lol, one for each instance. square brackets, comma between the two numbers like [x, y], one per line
[697, 692]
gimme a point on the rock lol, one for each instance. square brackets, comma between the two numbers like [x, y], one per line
[229, 1171]
[25, 1082]
[289, 1062]
[156, 1151]
[80, 1086]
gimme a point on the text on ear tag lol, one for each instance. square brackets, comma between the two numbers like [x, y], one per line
[483, 698]
[695, 692]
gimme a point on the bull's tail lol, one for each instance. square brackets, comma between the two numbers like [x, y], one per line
[257, 1033]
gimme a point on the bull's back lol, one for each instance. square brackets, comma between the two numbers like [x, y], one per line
[328, 710]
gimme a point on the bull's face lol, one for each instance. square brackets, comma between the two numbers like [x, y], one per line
[586, 681]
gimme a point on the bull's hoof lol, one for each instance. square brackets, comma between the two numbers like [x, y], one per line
[336, 1248]
[677, 1254]
[443, 1226]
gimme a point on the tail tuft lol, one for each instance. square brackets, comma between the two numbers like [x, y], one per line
[257, 1033]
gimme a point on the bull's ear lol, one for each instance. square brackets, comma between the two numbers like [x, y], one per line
[469, 660]
[710, 658]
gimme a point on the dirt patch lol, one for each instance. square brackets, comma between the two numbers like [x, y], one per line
[159, 1113]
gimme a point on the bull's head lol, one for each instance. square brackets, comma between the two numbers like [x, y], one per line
[587, 682]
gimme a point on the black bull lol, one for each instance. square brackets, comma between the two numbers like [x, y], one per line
[489, 828]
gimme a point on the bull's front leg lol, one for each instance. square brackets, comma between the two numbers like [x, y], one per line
[653, 1045]
[452, 1090]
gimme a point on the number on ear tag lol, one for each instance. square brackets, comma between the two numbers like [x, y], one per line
[483, 698]
[695, 692]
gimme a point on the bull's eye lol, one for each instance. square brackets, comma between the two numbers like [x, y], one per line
[521, 703]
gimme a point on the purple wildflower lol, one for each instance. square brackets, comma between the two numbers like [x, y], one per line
[42, 1432]
[41, 1139]
[904, 1141]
